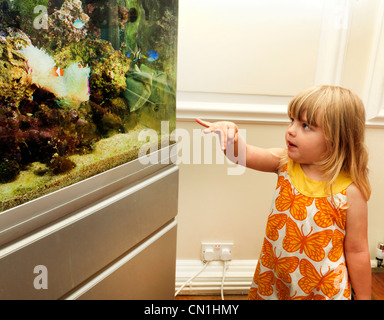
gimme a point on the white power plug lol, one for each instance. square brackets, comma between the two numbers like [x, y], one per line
[226, 254]
[221, 251]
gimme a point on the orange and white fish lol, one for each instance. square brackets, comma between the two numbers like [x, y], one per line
[82, 65]
[57, 72]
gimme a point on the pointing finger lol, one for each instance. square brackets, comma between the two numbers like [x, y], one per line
[203, 123]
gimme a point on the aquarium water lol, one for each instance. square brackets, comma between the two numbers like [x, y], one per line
[79, 82]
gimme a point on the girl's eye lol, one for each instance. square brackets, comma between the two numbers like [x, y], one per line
[306, 126]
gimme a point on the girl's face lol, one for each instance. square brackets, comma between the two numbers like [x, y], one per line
[306, 144]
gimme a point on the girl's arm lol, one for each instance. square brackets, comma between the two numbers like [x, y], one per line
[356, 244]
[267, 160]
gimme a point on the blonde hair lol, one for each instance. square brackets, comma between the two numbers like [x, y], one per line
[341, 115]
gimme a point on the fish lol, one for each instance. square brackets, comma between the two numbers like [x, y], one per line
[153, 56]
[57, 72]
[82, 65]
[78, 24]
[135, 55]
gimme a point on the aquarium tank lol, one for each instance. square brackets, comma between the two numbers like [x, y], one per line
[79, 82]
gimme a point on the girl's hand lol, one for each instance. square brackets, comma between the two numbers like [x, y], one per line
[227, 131]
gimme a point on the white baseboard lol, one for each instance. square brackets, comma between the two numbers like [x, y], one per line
[238, 277]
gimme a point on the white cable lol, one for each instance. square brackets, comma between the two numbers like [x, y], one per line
[222, 280]
[191, 278]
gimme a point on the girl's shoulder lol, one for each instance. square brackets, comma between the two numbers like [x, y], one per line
[353, 192]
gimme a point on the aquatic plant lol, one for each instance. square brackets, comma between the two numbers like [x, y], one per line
[9, 170]
[26, 8]
[107, 18]
[9, 18]
[60, 165]
[151, 87]
[107, 123]
[139, 88]
[86, 130]
[37, 131]
[154, 29]
[26, 14]
[10, 137]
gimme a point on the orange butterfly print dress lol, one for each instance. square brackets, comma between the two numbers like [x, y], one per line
[302, 257]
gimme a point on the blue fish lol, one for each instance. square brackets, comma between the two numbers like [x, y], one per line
[78, 24]
[153, 56]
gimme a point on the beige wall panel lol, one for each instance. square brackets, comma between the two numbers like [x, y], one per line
[248, 47]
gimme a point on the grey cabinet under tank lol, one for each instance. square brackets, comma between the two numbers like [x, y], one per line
[112, 236]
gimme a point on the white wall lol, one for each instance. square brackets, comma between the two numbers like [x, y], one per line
[244, 60]
[248, 47]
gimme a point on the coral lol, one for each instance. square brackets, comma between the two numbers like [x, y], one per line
[62, 29]
[72, 86]
[40, 69]
[76, 80]
[108, 66]
[15, 37]
[14, 81]
[63, 24]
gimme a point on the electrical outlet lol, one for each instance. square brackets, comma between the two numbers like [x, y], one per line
[216, 251]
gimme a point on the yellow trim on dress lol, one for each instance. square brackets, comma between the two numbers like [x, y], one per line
[315, 188]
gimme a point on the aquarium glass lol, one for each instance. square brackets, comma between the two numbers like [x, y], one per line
[82, 84]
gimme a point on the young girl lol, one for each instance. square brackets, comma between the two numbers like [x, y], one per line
[315, 245]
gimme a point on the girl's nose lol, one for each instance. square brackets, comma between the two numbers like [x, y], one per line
[291, 130]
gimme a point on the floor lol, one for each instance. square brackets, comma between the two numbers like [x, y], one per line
[377, 290]
[378, 284]
[218, 297]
